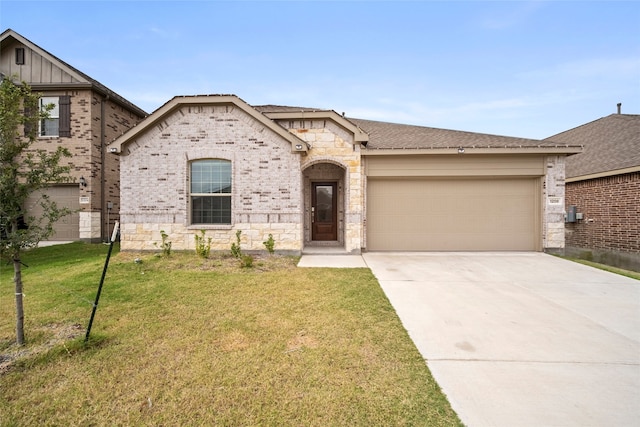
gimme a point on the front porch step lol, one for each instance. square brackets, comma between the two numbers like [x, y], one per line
[324, 250]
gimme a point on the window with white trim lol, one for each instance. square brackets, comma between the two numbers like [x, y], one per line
[58, 121]
[211, 191]
[51, 125]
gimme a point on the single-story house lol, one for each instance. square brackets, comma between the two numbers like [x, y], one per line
[603, 191]
[314, 178]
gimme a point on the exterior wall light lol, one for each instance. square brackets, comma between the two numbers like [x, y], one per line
[83, 182]
[298, 146]
[460, 150]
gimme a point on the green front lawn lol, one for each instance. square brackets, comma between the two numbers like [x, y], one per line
[186, 341]
[610, 269]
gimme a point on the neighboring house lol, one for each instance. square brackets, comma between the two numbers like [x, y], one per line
[87, 116]
[316, 178]
[603, 183]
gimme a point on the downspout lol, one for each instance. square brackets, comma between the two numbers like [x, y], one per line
[103, 199]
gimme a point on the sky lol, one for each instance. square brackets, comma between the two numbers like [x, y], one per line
[529, 69]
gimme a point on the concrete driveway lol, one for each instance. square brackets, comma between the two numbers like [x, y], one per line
[521, 339]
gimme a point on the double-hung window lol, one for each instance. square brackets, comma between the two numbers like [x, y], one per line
[51, 125]
[58, 121]
[211, 191]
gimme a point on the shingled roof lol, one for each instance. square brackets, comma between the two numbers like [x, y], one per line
[394, 136]
[387, 136]
[611, 146]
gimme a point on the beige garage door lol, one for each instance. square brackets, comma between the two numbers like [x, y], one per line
[67, 228]
[426, 214]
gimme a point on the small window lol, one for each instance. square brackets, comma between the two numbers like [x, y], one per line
[19, 56]
[51, 125]
[211, 192]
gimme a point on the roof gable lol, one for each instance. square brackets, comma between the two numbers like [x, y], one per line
[611, 146]
[39, 66]
[119, 144]
[43, 70]
[278, 112]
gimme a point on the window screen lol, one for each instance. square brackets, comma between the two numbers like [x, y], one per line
[211, 192]
[51, 125]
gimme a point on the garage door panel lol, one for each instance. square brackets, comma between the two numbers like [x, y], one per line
[453, 242]
[68, 227]
[451, 215]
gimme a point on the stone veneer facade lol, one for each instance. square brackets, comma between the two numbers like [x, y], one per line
[333, 157]
[553, 193]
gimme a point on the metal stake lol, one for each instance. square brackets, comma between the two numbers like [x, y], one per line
[104, 273]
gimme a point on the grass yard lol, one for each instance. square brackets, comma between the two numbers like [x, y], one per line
[610, 269]
[187, 341]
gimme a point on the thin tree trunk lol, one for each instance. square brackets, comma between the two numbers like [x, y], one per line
[17, 279]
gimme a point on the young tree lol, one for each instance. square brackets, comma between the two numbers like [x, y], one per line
[24, 170]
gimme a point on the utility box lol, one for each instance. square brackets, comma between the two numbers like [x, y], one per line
[571, 214]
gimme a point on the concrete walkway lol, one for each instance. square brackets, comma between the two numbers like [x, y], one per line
[519, 339]
[332, 261]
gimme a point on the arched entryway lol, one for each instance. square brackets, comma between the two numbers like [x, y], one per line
[324, 201]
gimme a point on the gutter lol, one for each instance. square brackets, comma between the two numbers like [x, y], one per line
[472, 150]
[102, 90]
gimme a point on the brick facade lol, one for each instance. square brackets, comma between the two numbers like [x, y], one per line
[95, 121]
[97, 116]
[275, 160]
[266, 181]
[111, 120]
[611, 211]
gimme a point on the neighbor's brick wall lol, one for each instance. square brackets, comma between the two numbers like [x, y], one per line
[611, 209]
[79, 143]
[85, 146]
[117, 120]
[266, 181]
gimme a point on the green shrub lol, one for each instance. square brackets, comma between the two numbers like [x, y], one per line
[203, 246]
[236, 251]
[270, 244]
[246, 261]
[166, 244]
